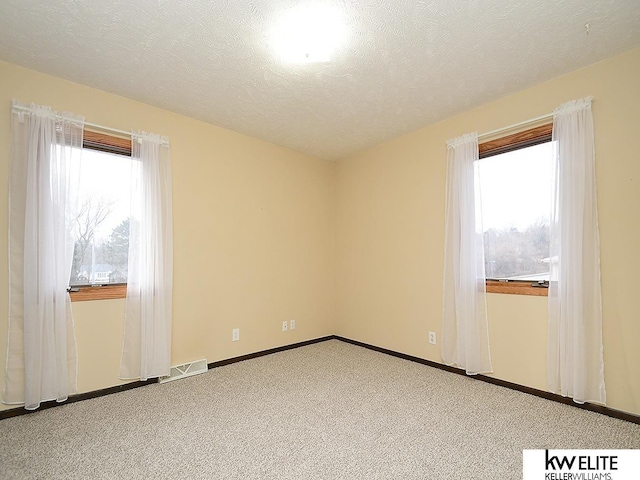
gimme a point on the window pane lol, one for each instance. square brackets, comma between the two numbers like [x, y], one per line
[102, 224]
[516, 195]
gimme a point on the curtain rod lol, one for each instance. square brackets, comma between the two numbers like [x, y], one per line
[88, 124]
[515, 125]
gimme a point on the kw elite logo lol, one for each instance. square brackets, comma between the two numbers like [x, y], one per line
[580, 464]
[604, 465]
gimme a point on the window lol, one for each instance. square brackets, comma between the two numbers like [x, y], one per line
[100, 254]
[515, 182]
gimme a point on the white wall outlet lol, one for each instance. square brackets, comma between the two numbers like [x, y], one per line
[432, 338]
[235, 334]
[292, 324]
[284, 326]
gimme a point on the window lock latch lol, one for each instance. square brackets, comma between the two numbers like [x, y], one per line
[541, 284]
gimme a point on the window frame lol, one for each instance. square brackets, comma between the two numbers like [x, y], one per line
[516, 141]
[103, 142]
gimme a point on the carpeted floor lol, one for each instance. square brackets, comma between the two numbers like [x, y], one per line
[326, 411]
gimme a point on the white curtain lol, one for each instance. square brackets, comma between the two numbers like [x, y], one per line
[575, 358]
[465, 335]
[41, 349]
[147, 340]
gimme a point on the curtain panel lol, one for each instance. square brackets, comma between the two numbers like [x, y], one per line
[41, 351]
[575, 352]
[147, 339]
[465, 335]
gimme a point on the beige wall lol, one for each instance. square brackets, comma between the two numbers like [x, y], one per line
[264, 234]
[253, 233]
[390, 234]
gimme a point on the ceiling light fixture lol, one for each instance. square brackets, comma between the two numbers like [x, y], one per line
[308, 34]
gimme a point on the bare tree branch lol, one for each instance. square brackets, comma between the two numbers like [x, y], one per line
[91, 214]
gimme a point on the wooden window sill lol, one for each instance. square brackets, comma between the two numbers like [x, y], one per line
[516, 288]
[105, 292]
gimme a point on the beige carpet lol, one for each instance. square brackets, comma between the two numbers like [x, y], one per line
[326, 411]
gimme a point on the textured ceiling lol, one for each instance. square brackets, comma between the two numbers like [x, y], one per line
[403, 65]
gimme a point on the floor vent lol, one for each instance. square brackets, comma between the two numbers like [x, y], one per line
[185, 370]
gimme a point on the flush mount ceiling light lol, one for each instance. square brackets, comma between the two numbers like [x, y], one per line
[308, 34]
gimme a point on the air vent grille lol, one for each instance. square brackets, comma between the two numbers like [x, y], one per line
[185, 370]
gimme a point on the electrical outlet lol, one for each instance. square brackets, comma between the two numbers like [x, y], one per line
[432, 338]
[284, 326]
[292, 324]
[235, 334]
